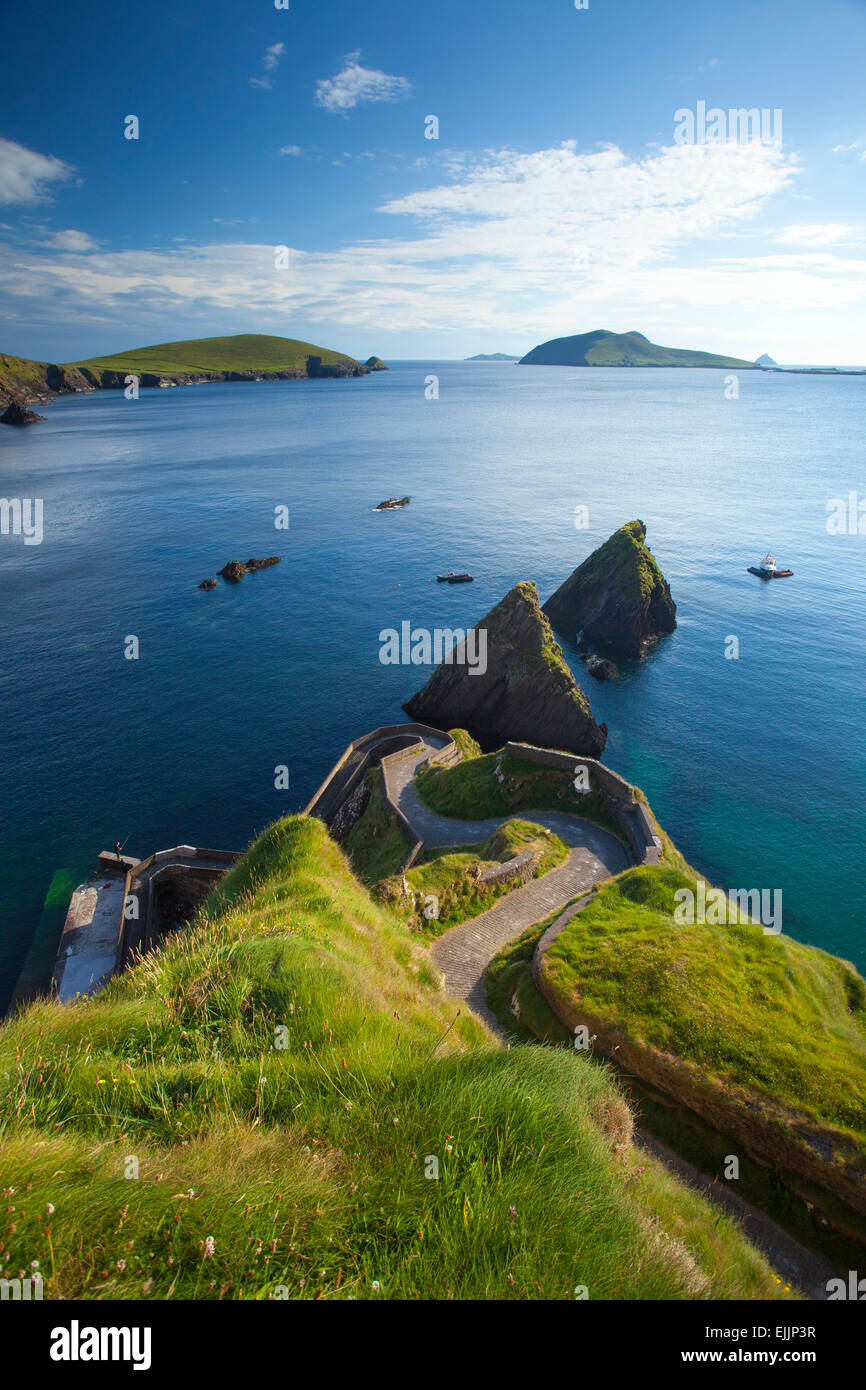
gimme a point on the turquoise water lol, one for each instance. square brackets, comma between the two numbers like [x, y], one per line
[756, 766]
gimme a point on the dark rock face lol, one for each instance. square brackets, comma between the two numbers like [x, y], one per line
[316, 368]
[601, 669]
[18, 414]
[208, 584]
[527, 692]
[618, 600]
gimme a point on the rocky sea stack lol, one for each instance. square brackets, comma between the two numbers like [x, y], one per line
[618, 601]
[17, 413]
[527, 692]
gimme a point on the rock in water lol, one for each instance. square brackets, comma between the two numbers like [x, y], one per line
[233, 571]
[208, 584]
[16, 413]
[618, 600]
[527, 691]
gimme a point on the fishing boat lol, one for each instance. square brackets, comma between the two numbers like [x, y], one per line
[768, 569]
[452, 578]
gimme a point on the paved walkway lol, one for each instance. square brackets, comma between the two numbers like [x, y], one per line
[464, 952]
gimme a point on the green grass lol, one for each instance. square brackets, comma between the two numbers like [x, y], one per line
[448, 874]
[377, 844]
[750, 1010]
[471, 791]
[243, 352]
[301, 1167]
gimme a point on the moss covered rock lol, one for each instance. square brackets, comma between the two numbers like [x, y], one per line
[618, 601]
[527, 691]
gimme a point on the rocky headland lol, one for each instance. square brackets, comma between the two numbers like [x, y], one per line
[617, 602]
[527, 691]
[243, 357]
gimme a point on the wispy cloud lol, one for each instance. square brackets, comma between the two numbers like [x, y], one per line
[269, 64]
[71, 240]
[26, 176]
[355, 85]
[857, 147]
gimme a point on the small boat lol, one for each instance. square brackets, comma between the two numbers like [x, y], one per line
[768, 570]
[452, 578]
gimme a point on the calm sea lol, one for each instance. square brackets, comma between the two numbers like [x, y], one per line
[755, 765]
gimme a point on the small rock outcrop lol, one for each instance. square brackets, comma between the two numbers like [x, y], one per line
[391, 502]
[236, 569]
[601, 668]
[17, 414]
[208, 584]
[526, 692]
[375, 364]
[618, 601]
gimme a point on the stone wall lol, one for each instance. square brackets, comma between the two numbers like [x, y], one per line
[360, 755]
[632, 815]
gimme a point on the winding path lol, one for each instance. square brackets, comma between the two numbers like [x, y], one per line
[464, 952]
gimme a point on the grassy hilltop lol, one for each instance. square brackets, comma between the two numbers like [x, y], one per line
[243, 352]
[253, 1109]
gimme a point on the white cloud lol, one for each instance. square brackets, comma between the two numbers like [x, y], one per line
[70, 240]
[355, 84]
[820, 234]
[25, 175]
[295, 150]
[522, 245]
[270, 63]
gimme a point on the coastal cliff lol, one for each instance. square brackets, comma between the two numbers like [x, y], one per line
[527, 691]
[618, 600]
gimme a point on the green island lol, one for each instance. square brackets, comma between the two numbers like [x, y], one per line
[601, 348]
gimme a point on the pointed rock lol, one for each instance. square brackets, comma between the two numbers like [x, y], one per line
[527, 692]
[618, 600]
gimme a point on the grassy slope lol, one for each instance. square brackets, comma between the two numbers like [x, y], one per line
[21, 376]
[377, 844]
[757, 1011]
[244, 352]
[303, 1168]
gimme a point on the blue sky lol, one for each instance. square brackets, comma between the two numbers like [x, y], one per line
[555, 199]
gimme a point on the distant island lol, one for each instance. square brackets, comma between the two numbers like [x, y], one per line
[492, 357]
[602, 348]
[242, 357]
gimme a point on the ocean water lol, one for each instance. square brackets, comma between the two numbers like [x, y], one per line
[756, 765]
